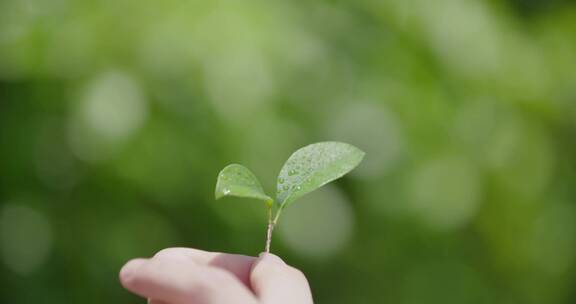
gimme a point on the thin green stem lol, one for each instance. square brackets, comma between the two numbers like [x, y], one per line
[278, 212]
[271, 225]
[269, 230]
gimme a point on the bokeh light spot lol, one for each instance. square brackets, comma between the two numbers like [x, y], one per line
[553, 246]
[25, 238]
[238, 82]
[445, 192]
[113, 107]
[319, 224]
[372, 128]
[521, 156]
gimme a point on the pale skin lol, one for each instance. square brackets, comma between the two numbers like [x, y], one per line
[192, 276]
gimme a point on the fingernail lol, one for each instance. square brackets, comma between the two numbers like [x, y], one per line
[130, 268]
[272, 258]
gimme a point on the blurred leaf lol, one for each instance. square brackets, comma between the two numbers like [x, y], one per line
[313, 166]
[237, 180]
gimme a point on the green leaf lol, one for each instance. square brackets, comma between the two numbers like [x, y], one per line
[237, 180]
[313, 166]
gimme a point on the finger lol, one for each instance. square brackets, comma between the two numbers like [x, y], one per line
[275, 282]
[150, 301]
[183, 282]
[239, 265]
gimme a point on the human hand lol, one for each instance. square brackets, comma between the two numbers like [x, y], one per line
[191, 276]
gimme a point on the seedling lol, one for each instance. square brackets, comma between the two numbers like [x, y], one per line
[306, 170]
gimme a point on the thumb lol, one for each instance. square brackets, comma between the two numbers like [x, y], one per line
[273, 281]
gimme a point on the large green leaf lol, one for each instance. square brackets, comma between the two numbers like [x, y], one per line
[314, 166]
[237, 180]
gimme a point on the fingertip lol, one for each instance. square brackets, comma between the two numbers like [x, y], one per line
[267, 257]
[129, 270]
[274, 281]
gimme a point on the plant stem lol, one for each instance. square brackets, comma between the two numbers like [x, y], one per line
[271, 224]
[269, 231]
[275, 221]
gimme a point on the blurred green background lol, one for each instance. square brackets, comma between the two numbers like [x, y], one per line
[116, 116]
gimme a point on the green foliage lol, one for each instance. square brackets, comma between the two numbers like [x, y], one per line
[306, 170]
[237, 180]
[313, 166]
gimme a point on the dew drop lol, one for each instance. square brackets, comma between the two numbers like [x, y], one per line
[285, 188]
[281, 180]
[292, 172]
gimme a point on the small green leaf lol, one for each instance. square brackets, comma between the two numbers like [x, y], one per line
[313, 166]
[237, 180]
